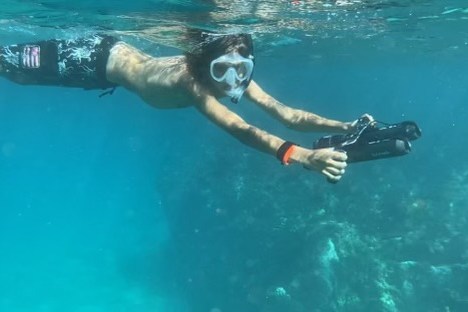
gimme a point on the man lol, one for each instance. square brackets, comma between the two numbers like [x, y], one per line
[219, 66]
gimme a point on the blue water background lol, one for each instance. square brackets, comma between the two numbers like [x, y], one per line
[90, 187]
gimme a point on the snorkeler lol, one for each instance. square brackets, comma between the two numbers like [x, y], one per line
[220, 66]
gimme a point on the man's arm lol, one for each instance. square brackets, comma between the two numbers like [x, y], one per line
[236, 126]
[327, 161]
[294, 118]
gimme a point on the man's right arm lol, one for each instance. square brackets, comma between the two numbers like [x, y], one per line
[327, 161]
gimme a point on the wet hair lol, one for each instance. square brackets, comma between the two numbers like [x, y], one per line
[211, 46]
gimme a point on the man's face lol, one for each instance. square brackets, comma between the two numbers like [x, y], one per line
[231, 73]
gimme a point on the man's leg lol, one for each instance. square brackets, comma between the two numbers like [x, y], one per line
[34, 63]
[72, 63]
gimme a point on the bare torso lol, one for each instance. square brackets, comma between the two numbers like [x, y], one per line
[162, 82]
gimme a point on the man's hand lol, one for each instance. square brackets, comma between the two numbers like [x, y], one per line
[329, 162]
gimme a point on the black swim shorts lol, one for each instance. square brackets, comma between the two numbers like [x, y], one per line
[77, 63]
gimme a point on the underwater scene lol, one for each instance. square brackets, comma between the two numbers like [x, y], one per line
[109, 204]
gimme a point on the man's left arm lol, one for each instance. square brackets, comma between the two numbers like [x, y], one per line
[294, 118]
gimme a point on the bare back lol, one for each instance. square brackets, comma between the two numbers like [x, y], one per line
[162, 82]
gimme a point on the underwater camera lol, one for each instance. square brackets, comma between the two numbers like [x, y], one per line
[373, 140]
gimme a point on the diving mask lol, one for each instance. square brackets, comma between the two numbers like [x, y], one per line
[233, 70]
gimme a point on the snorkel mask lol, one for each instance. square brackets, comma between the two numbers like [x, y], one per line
[233, 70]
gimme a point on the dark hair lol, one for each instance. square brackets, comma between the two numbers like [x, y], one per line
[212, 46]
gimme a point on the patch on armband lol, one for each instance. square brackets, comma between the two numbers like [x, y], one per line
[31, 56]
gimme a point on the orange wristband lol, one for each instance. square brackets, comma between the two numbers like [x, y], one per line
[285, 151]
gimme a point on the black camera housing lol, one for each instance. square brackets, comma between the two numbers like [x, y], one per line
[372, 142]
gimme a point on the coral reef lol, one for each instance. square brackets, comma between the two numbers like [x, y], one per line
[282, 240]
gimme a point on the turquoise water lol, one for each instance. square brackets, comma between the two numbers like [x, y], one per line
[110, 205]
